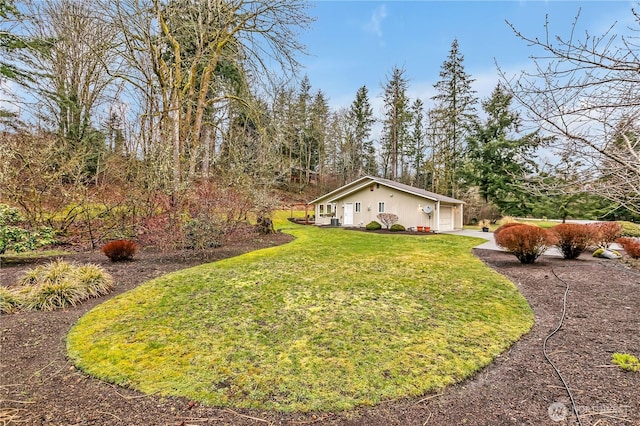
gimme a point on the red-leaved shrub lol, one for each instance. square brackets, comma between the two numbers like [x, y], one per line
[526, 242]
[505, 226]
[604, 233]
[631, 246]
[119, 250]
[573, 238]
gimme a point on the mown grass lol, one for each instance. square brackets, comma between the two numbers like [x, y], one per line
[333, 320]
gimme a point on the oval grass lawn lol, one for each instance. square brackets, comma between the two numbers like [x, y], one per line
[333, 320]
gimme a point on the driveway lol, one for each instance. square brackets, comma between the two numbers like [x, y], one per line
[490, 244]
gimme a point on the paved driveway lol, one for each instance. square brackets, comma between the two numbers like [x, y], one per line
[491, 243]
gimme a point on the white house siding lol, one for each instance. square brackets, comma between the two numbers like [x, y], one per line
[408, 206]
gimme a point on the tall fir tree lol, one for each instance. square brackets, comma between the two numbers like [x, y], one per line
[496, 162]
[416, 148]
[360, 150]
[455, 114]
[396, 121]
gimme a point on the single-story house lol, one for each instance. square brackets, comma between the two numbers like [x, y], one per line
[359, 202]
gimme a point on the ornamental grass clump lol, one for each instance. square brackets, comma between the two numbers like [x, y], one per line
[50, 296]
[120, 250]
[10, 300]
[573, 238]
[94, 279]
[56, 285]
[526, 242]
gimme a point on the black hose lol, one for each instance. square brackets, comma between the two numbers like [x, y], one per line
[544, 346]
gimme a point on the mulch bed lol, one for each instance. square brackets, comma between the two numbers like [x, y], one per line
[38, 386]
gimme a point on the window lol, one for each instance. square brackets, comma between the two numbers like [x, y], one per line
[358, 207]
[380, 207]
[321, 212]
[329, 209]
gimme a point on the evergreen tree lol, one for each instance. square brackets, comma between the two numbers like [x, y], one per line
[455, 115]
[497, 163]
[316, 135]
[397, 118]
[359, 146]
[415, 149]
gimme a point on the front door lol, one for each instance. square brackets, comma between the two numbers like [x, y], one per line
[348, 214]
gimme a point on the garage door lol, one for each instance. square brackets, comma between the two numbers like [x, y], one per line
[446, 218]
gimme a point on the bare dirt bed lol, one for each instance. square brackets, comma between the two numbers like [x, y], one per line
[38, 386]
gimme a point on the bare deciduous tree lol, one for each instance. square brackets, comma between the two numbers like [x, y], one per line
[194, 58]
[586, 93]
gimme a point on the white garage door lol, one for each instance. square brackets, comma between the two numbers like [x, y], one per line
[446, 218]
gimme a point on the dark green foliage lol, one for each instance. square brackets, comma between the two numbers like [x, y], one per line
[396, 227]
[454, 116]
[495, 161]
[14, 236]
[395, 124]
[358, 151]
[373, 226]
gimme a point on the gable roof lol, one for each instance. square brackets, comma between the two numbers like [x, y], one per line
[365, 181]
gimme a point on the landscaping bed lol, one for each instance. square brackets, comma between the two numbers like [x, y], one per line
[39, 386]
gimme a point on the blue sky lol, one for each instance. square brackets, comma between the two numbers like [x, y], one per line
[356, 43]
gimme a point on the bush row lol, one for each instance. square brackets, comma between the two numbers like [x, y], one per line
[528, 242]
[56, 285]
[374, 226]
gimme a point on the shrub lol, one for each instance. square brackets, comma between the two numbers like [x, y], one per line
[202, 234]
[373, 226]
[627, 362]
[629, 229]
[573, 238]
[55, 295]
[14, 237]
[60, 284]
[10, 300]
[505, 226]
[507, 219]
[526, 242]
[51, 273]
[396, 227]
[388, 219]
[120, 250]
[95, 280]
[631, 246]
[604, 233]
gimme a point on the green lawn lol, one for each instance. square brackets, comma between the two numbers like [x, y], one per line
[333, 320]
